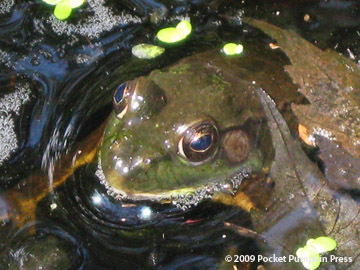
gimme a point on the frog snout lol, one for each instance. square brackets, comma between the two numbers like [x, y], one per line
[129, 165]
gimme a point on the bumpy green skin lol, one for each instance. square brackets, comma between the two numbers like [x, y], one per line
[139, 153]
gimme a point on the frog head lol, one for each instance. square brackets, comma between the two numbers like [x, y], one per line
[183, 133]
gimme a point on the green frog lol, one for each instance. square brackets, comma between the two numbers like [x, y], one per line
[192, 131]
[183, 133]
[180, 135]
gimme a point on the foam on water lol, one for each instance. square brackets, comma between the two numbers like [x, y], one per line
[103, 20]
[6, 5]
[10, 104]
[8, 140]
[4, 57]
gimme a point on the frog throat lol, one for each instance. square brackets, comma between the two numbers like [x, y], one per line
[182, 198]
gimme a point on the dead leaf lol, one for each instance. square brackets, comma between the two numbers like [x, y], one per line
[329, 81]
[303, 205]
[313, 208]
[342, 170]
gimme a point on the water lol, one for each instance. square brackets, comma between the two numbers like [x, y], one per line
[57, 79]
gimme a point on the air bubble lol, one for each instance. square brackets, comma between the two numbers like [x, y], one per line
[11, 103]
[8, 140]
[6, 5]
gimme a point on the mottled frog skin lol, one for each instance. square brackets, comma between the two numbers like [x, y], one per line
[186, 131]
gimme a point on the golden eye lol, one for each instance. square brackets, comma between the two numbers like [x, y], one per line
[199, 142]
[121, 99]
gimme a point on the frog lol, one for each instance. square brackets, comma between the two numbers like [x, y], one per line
[181, 135]
[175, 137]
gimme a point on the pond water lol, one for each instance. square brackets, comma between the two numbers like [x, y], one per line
[57, 83]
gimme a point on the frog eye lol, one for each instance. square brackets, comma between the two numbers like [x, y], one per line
[120, 99]
[199, 142]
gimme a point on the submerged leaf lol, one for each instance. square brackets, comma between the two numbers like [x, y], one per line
[313, 209]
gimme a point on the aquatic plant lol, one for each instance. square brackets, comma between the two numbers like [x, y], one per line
[63, 8]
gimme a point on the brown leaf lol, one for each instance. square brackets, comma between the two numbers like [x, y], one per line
[329, 81]
[334, 214]
[342, 170]
[304, 206]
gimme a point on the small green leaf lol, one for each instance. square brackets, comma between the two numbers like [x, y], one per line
[63, 10]
[76, 3]
[51, 2]
[147, 51]
[309, 257]
[170, 35]
[322, 244]
[175, 34]
[185, 27]
[233, 48]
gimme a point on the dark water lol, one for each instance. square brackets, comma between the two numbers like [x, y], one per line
[64, 74]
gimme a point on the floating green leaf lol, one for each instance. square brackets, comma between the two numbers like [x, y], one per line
[63, 10]
[175, 34]
[147, 51]
[76, 3]
[185, 27]
[322, 244]
[309, 257]
[233, 48]
[51, 2]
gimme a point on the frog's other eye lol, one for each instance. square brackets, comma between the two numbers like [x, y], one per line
[199, 142]
[120, 99]
[119, 93]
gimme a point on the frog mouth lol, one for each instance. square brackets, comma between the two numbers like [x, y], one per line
[183, 198]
